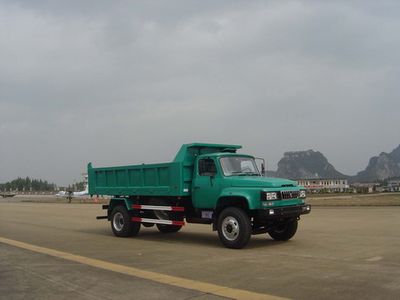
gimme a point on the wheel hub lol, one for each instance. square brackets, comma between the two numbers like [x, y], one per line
[118, 221]
[230, 228]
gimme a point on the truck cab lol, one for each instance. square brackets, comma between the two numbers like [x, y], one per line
[223, 180]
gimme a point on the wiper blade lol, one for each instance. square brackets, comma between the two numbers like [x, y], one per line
[240, 173]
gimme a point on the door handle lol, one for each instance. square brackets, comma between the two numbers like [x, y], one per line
[196, 187]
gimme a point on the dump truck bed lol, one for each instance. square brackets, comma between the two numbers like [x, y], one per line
[166, 179]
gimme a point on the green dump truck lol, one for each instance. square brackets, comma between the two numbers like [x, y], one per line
[206, 184]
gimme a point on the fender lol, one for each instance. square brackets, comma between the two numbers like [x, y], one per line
[119, 201]
[251, 195]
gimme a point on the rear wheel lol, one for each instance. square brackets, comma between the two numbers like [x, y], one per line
[284, 231]
[168, 228]
[234, 228]
[166, 215]
[121, 223]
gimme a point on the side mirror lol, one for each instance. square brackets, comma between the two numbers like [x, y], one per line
[262, 165]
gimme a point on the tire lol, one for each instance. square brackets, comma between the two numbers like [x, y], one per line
[168, 228]
[166, 215]
[121, 223]
[284, 231]
[234, 228]
[163, 214]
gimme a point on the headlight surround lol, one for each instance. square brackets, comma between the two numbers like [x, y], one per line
[302, 194]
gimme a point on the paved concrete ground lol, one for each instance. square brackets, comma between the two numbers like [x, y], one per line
[29, 275]
[338, 253]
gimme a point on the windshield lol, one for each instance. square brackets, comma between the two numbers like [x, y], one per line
[239, 165]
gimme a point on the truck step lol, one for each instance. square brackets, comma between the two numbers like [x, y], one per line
[157, 207]
[157, 221]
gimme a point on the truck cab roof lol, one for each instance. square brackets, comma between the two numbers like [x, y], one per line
[188, 152]
[223, 154]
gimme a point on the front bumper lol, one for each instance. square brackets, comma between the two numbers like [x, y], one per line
[285, 212]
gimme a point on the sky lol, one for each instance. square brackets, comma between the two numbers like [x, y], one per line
[127, 82]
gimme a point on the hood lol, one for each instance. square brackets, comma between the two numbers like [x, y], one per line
[262, 182]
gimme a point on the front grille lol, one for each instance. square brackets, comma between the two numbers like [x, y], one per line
[289, 195]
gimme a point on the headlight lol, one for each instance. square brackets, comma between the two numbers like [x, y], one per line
[271, 196]
[302, 194]
[268, 196]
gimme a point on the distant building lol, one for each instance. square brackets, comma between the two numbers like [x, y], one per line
[365, 187]
[326, 185]
[393, 186]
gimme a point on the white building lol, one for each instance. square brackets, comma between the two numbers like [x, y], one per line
[393, 186]
[329, 185]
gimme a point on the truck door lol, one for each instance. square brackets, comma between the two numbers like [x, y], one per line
[205, 184]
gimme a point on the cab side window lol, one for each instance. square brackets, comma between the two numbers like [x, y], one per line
[207, 167]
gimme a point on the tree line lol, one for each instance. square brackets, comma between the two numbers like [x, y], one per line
[27, 184]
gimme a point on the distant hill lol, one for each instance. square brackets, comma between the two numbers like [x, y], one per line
[313, 164]
[383, 166]
[395, 155]
[306, 165]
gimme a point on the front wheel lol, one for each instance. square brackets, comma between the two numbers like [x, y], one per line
[284, 231]
[121, 223]
[234, 228]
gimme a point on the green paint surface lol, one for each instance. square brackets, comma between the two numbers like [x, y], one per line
[181, 178]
